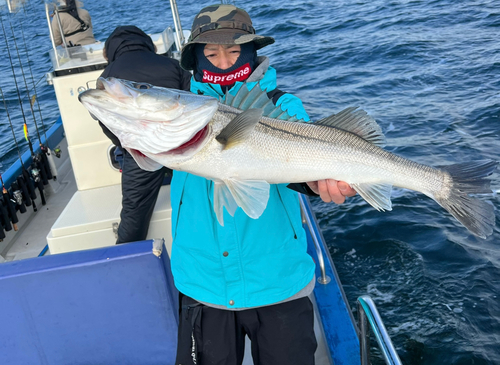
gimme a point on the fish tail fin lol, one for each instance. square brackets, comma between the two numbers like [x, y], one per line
[470, 178]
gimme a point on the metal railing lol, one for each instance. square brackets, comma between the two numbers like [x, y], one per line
[47, 14]
[368, 315]
[306, 216]
[369, 318]
[179, 35]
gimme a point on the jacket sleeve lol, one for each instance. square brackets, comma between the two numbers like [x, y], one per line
[302, 188]
[293, 105]
[55, 32]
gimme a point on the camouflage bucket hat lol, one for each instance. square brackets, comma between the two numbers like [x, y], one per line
[221, 24]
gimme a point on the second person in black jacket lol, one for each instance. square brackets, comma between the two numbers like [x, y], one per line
[132, 56]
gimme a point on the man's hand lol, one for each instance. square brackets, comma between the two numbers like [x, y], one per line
[332, 190]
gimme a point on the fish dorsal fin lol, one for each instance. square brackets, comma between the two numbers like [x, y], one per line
[239, 128]
[250, 195]
[377, 195]
[356, 121]
[256, 98]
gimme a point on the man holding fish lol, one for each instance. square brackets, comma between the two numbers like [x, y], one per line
[249, 276]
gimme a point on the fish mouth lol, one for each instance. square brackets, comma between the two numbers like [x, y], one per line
[193, 144]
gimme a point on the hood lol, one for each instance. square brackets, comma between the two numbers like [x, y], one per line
[127, 38]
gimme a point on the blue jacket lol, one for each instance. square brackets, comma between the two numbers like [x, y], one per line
[247, 262]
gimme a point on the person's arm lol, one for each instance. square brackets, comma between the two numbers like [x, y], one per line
[302, 188]
[329, 190]
[55, 32]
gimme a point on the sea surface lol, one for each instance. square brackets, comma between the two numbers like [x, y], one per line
[427, 71]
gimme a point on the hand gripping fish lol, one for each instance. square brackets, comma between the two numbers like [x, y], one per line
[242, 151]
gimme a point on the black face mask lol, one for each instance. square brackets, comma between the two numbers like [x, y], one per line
[240, 71]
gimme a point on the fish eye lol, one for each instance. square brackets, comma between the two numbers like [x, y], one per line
[142, 86]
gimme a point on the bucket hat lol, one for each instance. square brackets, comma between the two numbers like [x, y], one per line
[221, 24]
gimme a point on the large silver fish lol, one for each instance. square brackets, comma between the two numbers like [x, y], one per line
[243, 152]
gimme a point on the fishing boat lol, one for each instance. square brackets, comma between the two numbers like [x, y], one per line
[69, 295]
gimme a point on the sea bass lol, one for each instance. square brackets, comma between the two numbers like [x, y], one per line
[245, 143]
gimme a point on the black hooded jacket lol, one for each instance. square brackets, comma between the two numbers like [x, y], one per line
[131, 56]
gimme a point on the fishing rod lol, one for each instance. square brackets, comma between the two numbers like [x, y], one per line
[24, 79]
[32, 78]
[35, 171]
[49, 154]
[26, 176]
[24, 182]
[46, 154]
[15, 79]
[42, 170]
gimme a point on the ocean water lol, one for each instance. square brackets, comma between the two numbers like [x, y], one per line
[428, 72]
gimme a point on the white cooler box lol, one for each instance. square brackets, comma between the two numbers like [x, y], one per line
[91, 217]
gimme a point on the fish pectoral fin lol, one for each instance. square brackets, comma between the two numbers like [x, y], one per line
[239, 128]
[143, 161]
[377, 195]
[356, 121]
[249, 195]
[223, 198]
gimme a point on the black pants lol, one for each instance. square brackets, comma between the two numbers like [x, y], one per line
[281, 334]
[140, 190]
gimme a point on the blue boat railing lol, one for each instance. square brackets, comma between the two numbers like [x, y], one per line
[369, 318]
[368, 315]
[306, 208]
